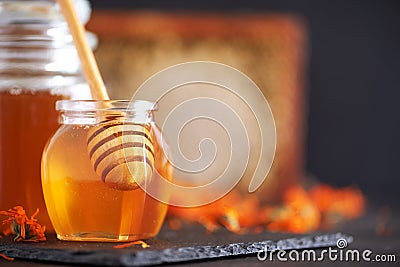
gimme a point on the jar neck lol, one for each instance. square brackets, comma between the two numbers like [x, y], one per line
[92, 112]
[36, 49]
[98, 117]
[37, 56]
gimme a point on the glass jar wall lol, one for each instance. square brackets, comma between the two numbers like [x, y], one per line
[38, 66]
[96, 168]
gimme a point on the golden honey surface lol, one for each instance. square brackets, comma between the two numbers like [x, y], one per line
[83, 207]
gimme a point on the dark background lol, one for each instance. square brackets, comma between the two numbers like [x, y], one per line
[353, 85]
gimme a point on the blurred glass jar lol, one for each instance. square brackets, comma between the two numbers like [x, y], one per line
[95, 167]
[38, 66]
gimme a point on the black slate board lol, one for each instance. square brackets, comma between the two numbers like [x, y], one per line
[188, 244]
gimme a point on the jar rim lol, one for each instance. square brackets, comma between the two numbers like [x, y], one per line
[105, 105]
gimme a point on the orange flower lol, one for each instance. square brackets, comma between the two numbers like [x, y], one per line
[130, 244]
[347, 202]
[299, 212]
[297, 215]
[6, 257]
[24, 228]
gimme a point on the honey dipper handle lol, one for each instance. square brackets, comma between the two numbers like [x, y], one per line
[89, 66]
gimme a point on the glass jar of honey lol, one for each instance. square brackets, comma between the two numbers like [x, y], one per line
[96, 168]
[38, 66]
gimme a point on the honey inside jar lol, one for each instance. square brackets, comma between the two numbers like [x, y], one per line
[39, 65]
[81, 206]
[27, 119]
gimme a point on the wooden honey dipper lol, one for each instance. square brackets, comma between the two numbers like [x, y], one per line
[122, 154]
